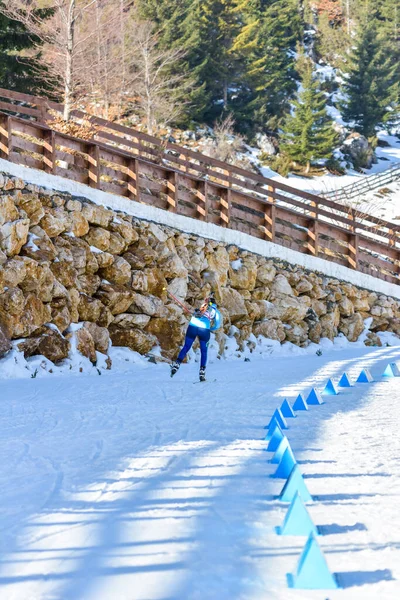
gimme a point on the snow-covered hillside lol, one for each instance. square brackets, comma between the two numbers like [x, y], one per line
[385, 206]
[135, 486]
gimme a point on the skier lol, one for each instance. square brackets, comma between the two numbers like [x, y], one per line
[205, 319]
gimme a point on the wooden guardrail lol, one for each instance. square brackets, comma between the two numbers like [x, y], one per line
[145, 169]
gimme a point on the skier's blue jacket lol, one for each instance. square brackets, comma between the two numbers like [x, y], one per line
[209, 319]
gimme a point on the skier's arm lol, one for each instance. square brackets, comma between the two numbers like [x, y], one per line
[217, 321]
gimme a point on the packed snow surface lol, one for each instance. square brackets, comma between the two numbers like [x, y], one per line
[133, 486]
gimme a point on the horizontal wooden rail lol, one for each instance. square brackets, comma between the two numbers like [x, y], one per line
[126, 162]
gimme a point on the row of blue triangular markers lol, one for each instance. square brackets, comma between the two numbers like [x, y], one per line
[312, 570]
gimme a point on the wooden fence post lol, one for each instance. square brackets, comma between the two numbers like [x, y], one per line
[41, 106]
[313, 237]
[269, 222]
[394, 238]
[49, 151]
[173, 191]
[353, 251]
[5, 137]
[94, 166]
[397, 264]
[312, 230]
[183, 167]
[270, 216]
[133, 179]
[224, 181]
[202, 196]
[225, 202]
[271, 198]
[353, 243]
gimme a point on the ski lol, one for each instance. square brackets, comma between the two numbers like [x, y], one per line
[206, 381]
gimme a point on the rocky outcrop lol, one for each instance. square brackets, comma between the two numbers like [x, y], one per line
[65, 261]
[46, 342]
[5, 342]
[359, 150]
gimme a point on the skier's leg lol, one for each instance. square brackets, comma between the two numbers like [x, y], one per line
[204, 338]
[186, 347]
[189, 339]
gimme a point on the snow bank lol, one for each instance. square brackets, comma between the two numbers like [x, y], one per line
[15, 366]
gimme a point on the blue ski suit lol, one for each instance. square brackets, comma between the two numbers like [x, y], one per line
[201, 324]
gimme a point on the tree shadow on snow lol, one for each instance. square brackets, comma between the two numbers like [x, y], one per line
[335, 529]
[358, 578]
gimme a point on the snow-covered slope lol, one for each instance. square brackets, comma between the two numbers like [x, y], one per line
[388, 156]
[135, 486]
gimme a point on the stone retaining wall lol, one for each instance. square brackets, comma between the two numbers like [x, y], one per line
[65, 260]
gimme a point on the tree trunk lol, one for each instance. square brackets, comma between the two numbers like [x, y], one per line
[147, 85]
[123, 50]
[225, 95]
[308, 167]
[69, 60]
[348, 17]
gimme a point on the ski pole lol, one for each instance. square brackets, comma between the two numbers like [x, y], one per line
[175, 299]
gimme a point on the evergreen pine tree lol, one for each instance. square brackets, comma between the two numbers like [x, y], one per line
[167, 16]
[17, 72]
[207, 34]
[205, 30]
[308, 132]
[390, 16]
[268, 36]
[372, 87]
[388, 25]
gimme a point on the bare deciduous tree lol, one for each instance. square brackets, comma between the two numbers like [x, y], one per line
[61, 37]
[109, 57]
[101, 51]
[226, 144]
[160, 90]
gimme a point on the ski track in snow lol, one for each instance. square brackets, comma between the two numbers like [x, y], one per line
[139, 487]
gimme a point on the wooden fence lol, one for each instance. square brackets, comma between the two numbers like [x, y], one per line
[145, 169]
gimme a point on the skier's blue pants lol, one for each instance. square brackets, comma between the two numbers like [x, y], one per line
[191, 334]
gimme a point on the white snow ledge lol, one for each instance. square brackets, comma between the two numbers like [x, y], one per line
[200, 228]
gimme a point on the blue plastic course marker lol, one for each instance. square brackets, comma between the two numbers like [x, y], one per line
[314, 398]
[364, 377]
[345, 381]
[312, 571]
[286, 465]
[279, 452]
[330, 389]
[297, 520]
[271, 429]
[295, 483]
[278, 416]
[275, 439]
[287, 410]
[392, 370]
[300, 403]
